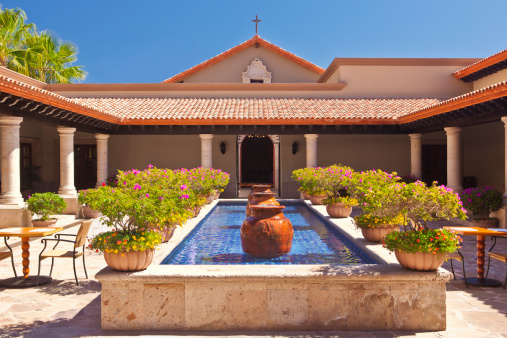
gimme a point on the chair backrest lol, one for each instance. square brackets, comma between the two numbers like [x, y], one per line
[82, 233]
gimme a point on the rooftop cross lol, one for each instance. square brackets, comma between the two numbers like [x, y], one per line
[256, 23]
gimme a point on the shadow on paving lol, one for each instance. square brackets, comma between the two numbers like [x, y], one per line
[85, 322]
[69, 288]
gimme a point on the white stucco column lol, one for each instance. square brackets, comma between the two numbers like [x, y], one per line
[206, 150]
[416, 155]
[10, 149]
[67, 187]
[102, 168]
[311, 150]
[454, 172]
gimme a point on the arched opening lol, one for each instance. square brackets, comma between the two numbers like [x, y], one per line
[256, 160]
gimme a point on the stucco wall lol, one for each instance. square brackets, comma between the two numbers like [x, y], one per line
[230, 70]
[490, 80]
[401, 82]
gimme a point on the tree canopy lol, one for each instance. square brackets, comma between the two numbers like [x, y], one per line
[38, 54]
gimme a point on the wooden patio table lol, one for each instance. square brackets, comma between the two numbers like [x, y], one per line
[481, 234]
[25, 233]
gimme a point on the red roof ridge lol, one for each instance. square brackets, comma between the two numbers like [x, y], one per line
[481, 64]
[239, 48]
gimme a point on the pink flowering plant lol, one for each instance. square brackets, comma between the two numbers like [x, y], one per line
[305, 177]
[482, 200]
[335, 180]
[420, 204]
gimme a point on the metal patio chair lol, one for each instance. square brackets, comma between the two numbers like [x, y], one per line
[7, 254]
[80, 241]
[459, 257]
[500, 256]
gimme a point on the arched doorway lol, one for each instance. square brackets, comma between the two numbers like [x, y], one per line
[257, 160]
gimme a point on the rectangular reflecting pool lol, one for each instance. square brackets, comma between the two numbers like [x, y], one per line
[216, 240]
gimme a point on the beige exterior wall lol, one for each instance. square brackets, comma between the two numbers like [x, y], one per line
[230, 70]
[290, 162]
[491, 79]
[401, 82]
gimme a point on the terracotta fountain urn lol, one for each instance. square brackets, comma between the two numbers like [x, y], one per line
[261, 198]
[266, 232]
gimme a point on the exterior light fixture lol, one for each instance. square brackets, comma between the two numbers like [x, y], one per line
[295, 146]
[222, 147]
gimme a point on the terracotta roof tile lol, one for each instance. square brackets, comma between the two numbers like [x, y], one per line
[481, 64]
[256, 39]
[238, 109]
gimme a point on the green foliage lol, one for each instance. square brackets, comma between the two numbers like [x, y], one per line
[365, 221]
[331, 181]
[45, 204]
[482, 200]
[348, 201]
[433, 241]
[125, 241]
[40, 55]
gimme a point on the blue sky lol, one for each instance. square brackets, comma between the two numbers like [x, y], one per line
[151, 40]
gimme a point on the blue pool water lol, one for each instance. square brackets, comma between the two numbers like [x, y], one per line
[216, 240]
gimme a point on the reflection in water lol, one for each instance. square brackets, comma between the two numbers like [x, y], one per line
[216, 240]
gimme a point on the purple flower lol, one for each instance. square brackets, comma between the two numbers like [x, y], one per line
[147, 195]
[137, 187]
[183, 187]
[150, 166]
[161, 198]
[185, 196]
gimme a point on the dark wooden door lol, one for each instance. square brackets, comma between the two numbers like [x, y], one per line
[256, 160]
[434, 163]
[85, 166]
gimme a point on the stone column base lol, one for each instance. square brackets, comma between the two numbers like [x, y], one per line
[14, 216]
[72, 204]
[501, 214]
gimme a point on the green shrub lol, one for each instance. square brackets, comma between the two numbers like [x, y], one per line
[45, 204]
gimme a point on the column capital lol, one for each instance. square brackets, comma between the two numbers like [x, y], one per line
[504, 120]
[206, 136]
[311, 136]
[415, 136]
[66, 130]
[10, 120]
[453, 130]
[101, 136]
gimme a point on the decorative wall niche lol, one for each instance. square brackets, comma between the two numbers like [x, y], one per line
[256, 72]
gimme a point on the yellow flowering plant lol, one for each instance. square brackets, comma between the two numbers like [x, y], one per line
[365, 221]
[121, 242]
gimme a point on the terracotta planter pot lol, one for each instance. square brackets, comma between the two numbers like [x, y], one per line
[44, 224]
[216, 194]
[420, 261]
[167, 232]
[338, 210]
[131, 261]
[267, 232]
[305, 195]
[317, 199]
[90, 213]
[261, 198]
[258, 188]
[485, 223]
[209, 198]
[378, 232]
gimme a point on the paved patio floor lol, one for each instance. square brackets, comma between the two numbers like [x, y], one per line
[63, 309]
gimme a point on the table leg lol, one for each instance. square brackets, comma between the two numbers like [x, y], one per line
[480, 280]
[25, 246]
[25, 281]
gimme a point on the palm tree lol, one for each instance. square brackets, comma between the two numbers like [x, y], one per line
[13, 31]
[40, 55]
[49, 59]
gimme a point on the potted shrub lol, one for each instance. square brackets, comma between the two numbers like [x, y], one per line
[143, 205]
[417, 247]
[88, 212]
[374, 228]
[482, 201]
[335, 180]
[44, 205]
[303, 177]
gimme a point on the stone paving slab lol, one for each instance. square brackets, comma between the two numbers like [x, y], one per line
[63, 309]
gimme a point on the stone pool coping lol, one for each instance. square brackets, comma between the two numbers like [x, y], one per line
[280, 297]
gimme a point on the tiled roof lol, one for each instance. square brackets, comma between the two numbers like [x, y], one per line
[238, 110]
[466, 100]
[481, 65]
[255, 40]
[30, 92]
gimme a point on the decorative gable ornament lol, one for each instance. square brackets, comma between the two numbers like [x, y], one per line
[257, 72]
